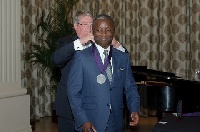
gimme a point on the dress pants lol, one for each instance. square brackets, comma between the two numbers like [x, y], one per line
[65, 125]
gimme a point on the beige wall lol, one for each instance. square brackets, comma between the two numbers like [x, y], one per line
[14, 103]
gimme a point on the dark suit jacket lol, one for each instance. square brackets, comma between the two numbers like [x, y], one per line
[90, 100]
[62, 57]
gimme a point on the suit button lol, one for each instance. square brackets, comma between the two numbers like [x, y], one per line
[110, 89]
[110, 107]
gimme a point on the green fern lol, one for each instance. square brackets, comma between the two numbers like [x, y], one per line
[56, 25]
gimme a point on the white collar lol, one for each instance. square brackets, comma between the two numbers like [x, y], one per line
[101, 50]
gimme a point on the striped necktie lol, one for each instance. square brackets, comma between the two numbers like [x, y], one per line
[109, 68]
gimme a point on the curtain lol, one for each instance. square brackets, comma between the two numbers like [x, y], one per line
[162, 35]
[34, 78]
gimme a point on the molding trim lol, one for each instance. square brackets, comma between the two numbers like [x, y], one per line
[12, 91]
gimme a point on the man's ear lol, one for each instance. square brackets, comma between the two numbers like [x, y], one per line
[75, 26]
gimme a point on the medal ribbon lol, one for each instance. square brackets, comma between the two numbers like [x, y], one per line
[102, 67]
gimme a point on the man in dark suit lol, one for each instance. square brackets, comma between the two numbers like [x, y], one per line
[61, 57]
[96, 87]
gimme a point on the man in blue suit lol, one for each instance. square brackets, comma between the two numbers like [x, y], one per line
[95, 93]
[61, 57]
[67, 46]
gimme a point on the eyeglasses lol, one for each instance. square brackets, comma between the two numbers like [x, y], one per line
[85, 24]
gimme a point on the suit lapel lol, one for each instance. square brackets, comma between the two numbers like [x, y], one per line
[93, 59]
[115, 64]
[115, 60]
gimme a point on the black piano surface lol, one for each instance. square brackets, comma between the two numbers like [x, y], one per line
[175, 89]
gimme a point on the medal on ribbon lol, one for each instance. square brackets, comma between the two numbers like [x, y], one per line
[102, 67]
[101, 79]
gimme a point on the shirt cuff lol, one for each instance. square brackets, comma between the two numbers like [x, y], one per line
[121, 48]
[77, 45]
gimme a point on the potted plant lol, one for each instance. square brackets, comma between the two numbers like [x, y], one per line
[56, 25]
[49, 30]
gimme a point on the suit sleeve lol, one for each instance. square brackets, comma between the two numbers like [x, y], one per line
[63, 54]
[131, 90]
[74, 87]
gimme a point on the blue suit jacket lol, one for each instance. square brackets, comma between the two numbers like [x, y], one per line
[61, 58]
[89, 100]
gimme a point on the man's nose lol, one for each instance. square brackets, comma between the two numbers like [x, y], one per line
[103, 33]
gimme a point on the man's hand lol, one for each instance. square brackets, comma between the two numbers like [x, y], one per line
[115, 43]
[87, 38]
[134, 119]
[88, 127]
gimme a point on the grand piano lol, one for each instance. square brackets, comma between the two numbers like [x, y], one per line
[162, 91]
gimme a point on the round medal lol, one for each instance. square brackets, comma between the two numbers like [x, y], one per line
[101, 79]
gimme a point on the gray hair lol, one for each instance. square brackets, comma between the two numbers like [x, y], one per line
[80, 14]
